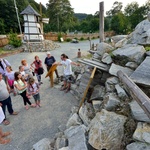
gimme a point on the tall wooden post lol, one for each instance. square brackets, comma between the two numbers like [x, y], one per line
[101, 21]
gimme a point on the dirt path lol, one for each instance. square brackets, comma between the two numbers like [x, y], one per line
[28, 127]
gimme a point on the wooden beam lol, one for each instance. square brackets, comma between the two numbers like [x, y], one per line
[88, 85]
[50, 75]
[142, 99]
[98, 65]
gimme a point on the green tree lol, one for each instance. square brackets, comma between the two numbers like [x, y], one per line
[2, 26]
[119, 23]
[60, 14]
[116, 8]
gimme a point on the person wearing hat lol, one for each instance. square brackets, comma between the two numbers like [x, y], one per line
[49, 60]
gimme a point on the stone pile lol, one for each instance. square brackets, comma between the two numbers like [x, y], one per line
[110, 118]
[46, 45]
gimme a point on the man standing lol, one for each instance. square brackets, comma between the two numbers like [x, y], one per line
[67, 71]
[5, 99]
[49, 60]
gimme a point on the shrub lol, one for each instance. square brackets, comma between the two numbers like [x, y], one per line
[68, 40]
[14, 40]
[81, 39]
[59, 36]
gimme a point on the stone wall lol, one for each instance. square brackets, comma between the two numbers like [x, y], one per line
[3, 41]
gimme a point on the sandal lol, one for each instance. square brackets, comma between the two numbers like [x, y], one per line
[4, 141]
[6, 134]
[63, 88]
[68, 89]
[6, 122]
[14, 113]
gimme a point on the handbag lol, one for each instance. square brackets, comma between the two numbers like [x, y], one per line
[40, 70]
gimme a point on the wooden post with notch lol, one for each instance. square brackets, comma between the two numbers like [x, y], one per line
[88, 85]
[51, 75]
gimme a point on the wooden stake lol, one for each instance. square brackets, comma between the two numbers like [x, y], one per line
[86, 90]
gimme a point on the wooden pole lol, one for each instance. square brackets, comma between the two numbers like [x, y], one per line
[142, 99]
[86, 90]
[101, 21]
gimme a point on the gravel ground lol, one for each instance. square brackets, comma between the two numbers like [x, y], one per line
[32, 125]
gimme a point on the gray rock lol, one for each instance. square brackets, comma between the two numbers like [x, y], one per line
[60, 143]
[43, 144]
[138, 146]
[98, 93]
[76, 138]
[96, 56]
[96, 105]
[110, 84]
[115, 68]
[74, 120]
[142, 74]
[132, 51]
[138, 113]
[103, 48]
[106, 130]
[148, 53]
[131, 65]
[86, 113]
[121, 43]
[62, 127]
[120, 92]
[64, 148]
[117, 38]
[142, 132]
[106, 58]
[111, 101]
[141, 34]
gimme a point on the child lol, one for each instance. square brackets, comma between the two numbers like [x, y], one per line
[10, 78]
[24, 75]
[21, 86]
[33, 89]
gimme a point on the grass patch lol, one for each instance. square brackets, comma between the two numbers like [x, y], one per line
[2, 51]
[147, 48]
[88, 56]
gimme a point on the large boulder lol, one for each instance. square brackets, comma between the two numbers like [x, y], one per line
[110, 84]
[138, 113]
[76, 138]
[111, 101]
[138, 146]
[141, 34]
[142, 74]
[106, 130]
[86, 113]
[43, 144]
[115, 68]
[121, 43]
[103, 48]
[98, 93]
[133, 52]
[74, 120]
[117, 38]
[142, 132]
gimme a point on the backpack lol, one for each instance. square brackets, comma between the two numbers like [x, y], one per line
[40, 70]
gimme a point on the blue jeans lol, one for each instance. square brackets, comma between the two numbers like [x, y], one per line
[7, 102]
[38, 77]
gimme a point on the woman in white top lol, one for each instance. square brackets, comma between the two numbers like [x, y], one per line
[10, 78]
[21, 86]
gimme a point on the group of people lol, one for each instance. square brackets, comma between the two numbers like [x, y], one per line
[23, 83]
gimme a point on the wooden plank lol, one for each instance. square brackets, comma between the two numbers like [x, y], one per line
[96, 63]
[50, 74]
[141, 98]
[90, 64]
[88, 85]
